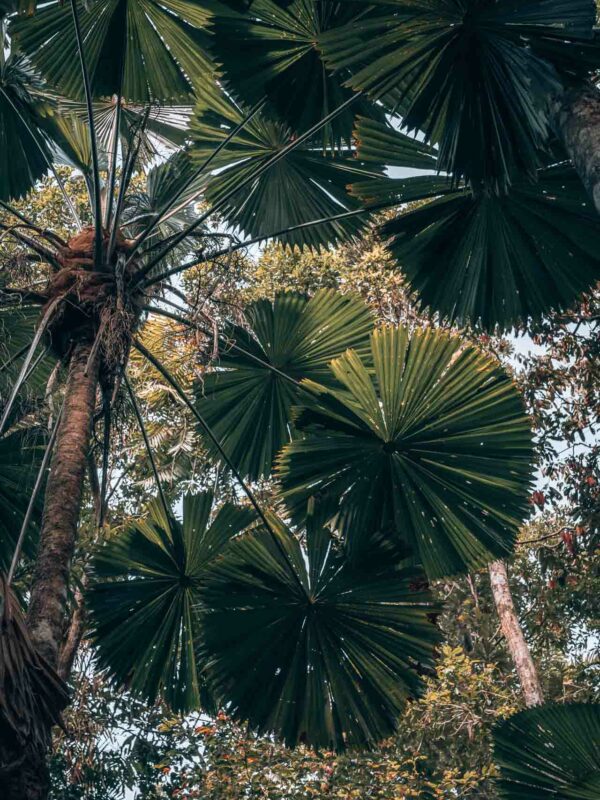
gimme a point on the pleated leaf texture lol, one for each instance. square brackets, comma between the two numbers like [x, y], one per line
[473, 75]
[145, 595]
[306, 185]
[550, 753]
[24, 149]
[281, 40]
[145, 50]
[479, 257]
[300, 644]
[425, 442]
[247, 399]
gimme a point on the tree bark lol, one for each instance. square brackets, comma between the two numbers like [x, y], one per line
[576, 121]
[73, 637]
[513, 633]
[62, 506]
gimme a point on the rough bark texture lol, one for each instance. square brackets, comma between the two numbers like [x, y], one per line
[61, 508]
[532, 691]
[73, 637]
[46, 617]
[576, 119]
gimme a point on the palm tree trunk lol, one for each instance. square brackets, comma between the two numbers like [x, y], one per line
[62, 507]
[46, 616]
[576, 119]
[513, 633]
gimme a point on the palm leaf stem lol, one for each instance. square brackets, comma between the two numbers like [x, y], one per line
[246, 489]
[105, 460]
[293, 145]
[257, 239]
[126, 174]
[43, 252]
[28, 359]
[161, 216]
[197, 326]
[112, 167]
[32, 500]
[142, 427]
[14, 358]
[93, 141]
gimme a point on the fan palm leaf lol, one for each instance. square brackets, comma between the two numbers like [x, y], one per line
[478, 257]
[550, 753]
[145, 594]
[281, 42]
[24, 149]
[306, 185]
[470, 74]
[301, 645]
[247, 401]
[425, 441]
[144, 50]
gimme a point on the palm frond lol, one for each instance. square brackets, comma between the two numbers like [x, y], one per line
[425, 442]
[469, 74]
[550, 753]
[301, 645]
[247, 399]
[145, 594]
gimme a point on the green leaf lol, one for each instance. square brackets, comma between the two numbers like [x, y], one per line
[21, 450]
[20, 459]
[550, 753]
[280, 40]
[307, 184]
[302, 645]
[468, 74]
[17, 329]
[425, 442]
[481, 258]
[158, 48]
[24, 151]
[498, 260]
[145, 595]
[247, 401]
[165, 126]
[170, 186]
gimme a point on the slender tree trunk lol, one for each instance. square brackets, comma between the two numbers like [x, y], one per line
[58, 535]
[511, 628]
[73, 637]
[576, 119]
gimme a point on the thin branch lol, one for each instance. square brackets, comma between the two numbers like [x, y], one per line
[53, 237]
[206, 163]
[93, 141]
[206, 427]
[275, 158]
[25, 367]
[147, 444]
[192, 324]
[32, 500]
[112, 167]
[126, 174]
[544, 538]
[262, 238]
